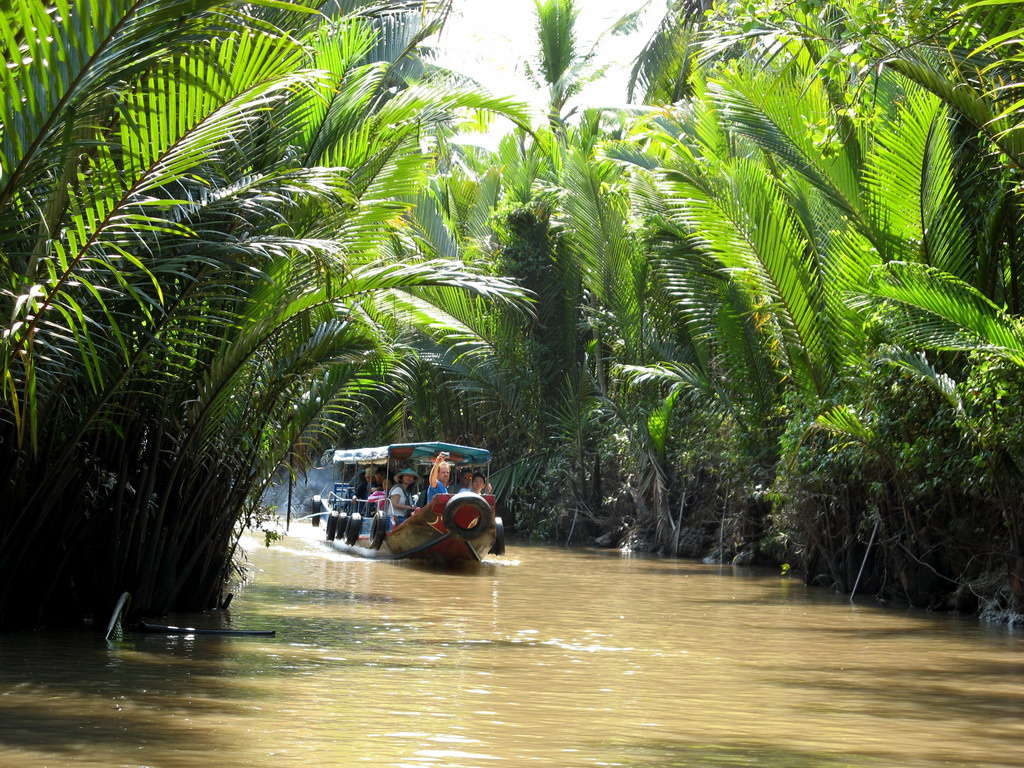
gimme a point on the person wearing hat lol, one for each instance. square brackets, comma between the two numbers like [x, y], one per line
[402, 497]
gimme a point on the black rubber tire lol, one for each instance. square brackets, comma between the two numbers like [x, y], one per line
[332, 526]
[353, 528]
[482, 523]
[498, 547]
[315, 508]
[378, 529]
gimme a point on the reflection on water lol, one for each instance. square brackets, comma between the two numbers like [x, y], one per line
[540, 658]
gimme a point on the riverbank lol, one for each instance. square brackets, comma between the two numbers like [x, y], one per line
[714, 539]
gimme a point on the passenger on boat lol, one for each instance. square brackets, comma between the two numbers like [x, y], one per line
[402, 497]
[375, 500]
[363, 490]
[480, 484]
[439, 475]
[465, 480]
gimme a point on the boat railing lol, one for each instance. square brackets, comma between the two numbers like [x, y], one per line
[340, 499]
[346, 501]
[368, 506]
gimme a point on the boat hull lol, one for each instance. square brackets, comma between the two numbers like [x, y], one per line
[451, 529]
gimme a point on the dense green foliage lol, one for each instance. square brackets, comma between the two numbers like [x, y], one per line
[774, 307]
[208, 264]
[790, 292]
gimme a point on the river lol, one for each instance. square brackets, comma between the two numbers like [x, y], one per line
[544, 657]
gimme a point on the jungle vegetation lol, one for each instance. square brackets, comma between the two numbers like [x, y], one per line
[769, 310]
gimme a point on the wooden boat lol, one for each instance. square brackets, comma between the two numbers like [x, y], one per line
[452, 528]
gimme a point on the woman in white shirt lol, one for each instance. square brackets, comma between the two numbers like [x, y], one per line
[402, 496]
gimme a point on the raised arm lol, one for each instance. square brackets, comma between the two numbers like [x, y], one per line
[438, 461]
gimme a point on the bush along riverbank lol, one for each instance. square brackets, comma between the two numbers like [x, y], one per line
[912, 499]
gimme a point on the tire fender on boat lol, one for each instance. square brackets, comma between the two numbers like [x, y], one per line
[468, 515]
[498, 547]
[332, 526]
[378, 529]
[353, 528]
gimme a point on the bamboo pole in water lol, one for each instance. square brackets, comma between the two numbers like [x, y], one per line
[871, 541]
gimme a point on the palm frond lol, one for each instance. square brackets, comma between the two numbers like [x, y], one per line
[910, 175]
[743, 220]
[929, 309]
[963, 96]
[917, 364]
[789, 120]
[843, 421]
[662, 70]
[613, 270]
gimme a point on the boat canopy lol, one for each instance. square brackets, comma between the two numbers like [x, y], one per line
[413, 452]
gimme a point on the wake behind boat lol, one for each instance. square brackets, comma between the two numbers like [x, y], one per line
[451, 528]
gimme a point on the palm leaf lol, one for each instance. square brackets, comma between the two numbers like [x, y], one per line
[776, 114]
[910, 175]
[842, 420]
[916, 364]
[929, 309]
[742, 219]
[662, 70]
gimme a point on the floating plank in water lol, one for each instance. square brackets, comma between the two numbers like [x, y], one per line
[168, 629]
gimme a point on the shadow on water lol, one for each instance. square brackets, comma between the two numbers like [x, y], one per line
[927, 689]
[285, 595]
[662, 566]
[113, 689]
[655, 754]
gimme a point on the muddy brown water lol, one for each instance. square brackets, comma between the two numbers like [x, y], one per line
[544, 657]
